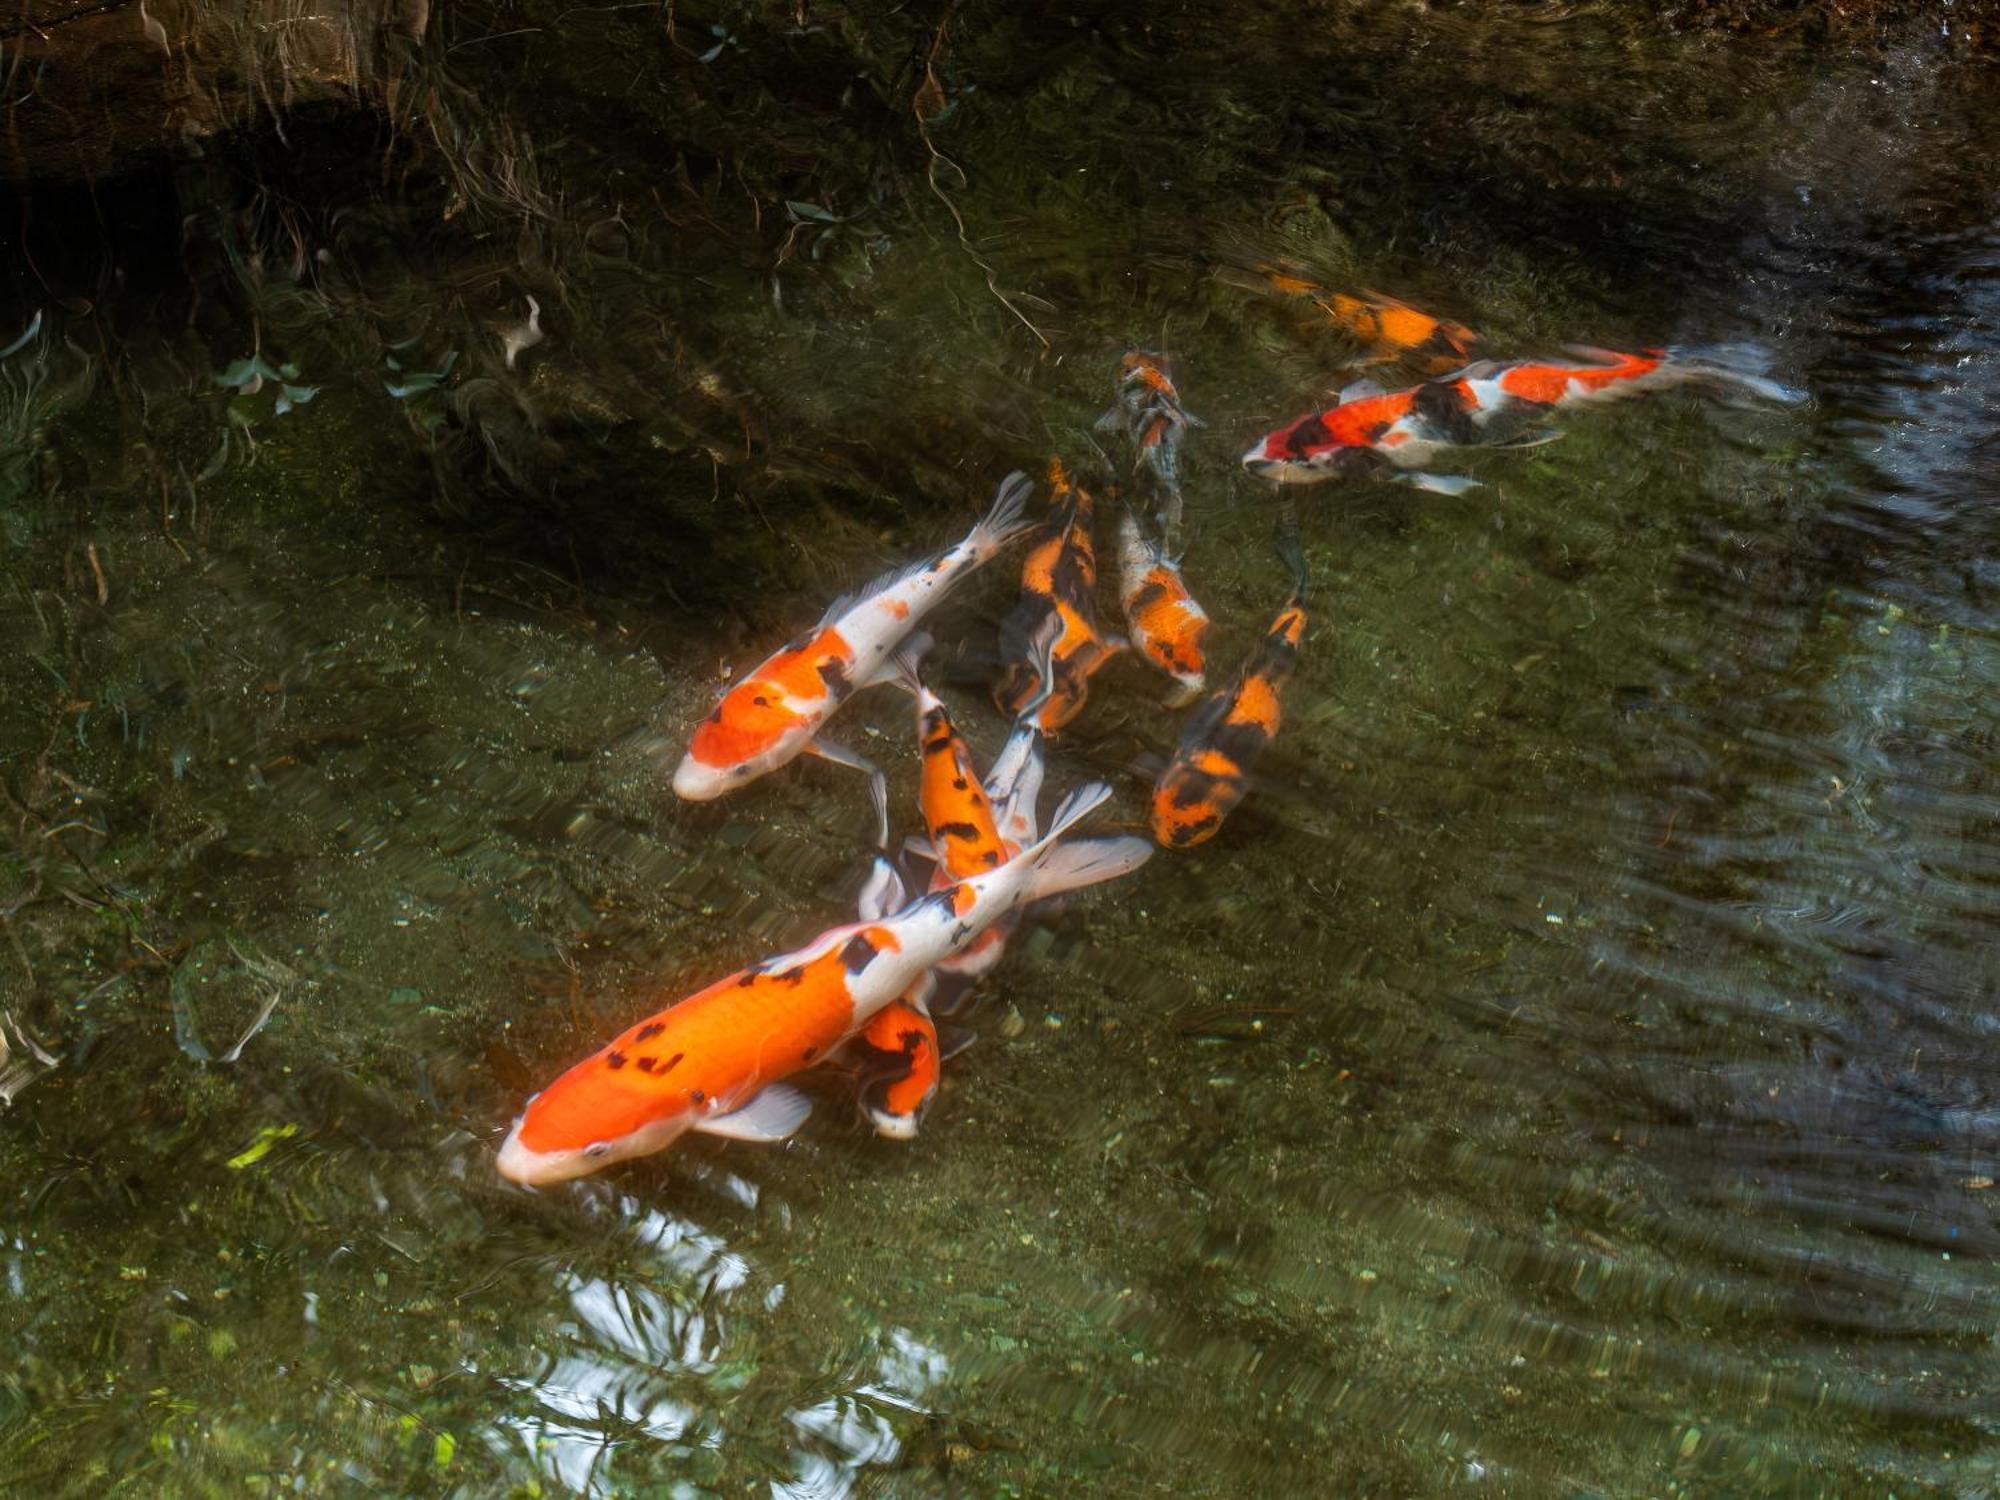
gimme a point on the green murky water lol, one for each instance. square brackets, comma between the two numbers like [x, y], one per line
[1573, 1072]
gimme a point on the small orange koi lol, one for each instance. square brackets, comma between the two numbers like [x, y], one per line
[1394, 330]
[958, 817]
[1162, 620]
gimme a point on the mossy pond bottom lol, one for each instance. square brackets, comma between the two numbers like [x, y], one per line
[1573, 1071]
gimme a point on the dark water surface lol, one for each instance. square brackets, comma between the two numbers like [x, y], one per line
[1572, 1074]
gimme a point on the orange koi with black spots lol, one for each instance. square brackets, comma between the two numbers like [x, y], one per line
[1059, 583]
[901, 1053]
[716, 1061]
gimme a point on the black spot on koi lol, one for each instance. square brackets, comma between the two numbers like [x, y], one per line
[858, 954]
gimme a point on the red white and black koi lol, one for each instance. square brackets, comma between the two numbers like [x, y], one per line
[1373, 433]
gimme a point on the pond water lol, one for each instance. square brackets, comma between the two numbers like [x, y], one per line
[1571, 1073]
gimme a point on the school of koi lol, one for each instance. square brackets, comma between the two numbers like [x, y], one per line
[867, 993]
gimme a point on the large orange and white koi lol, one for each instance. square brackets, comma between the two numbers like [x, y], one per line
[777, 712]
[715, 1062]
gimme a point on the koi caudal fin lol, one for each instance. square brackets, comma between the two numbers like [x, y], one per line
[1727, 369]
[1004, 520]
[1054, 867]
[1070, 867]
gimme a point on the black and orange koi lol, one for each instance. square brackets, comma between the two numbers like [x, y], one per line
[1210, 772]
[1059, 583]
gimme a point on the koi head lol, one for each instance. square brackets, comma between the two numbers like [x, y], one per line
[696, 782]
[1307, 452]
[749, 733]
[585, 1121]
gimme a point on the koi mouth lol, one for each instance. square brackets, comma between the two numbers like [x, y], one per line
[694, 782]
[1283, 470]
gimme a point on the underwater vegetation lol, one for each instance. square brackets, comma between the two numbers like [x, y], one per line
[1564, 1070]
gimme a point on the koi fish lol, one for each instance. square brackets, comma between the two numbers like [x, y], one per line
[1148, 410]
[900, 1054]
[1059, 581]
[1210, 772]
[777, 711]
[1162, 619]
[715, 1062]
[1147, 406]
[958, 817]
[962, 817]
[1394, 330]
[1372, 432]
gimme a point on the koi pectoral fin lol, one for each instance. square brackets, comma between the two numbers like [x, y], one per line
[883, 894]
[953, 1040]
[771, 1116]
[1529, 440]
[1437, 484]
[878, 784]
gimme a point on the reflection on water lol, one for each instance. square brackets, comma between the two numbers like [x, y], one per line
[1571, 1072]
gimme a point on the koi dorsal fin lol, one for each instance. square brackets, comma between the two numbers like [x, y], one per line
[1360, 390]
[888, 580]
[1599, 356]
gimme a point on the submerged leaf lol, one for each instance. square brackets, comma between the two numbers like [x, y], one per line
[267, 1137]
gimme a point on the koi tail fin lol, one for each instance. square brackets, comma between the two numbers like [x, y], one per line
[1073, 809]
[905, 665]
[1070, 867]
[1730, 368]
[1286, 541]
[1004, 520]
[1042, 661]
[1054, 867]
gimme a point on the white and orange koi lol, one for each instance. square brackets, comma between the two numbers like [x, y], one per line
[1163, 621]
[715, 1062]
[777, 712]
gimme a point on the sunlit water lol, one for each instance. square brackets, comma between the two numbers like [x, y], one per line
[1572, 1073]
